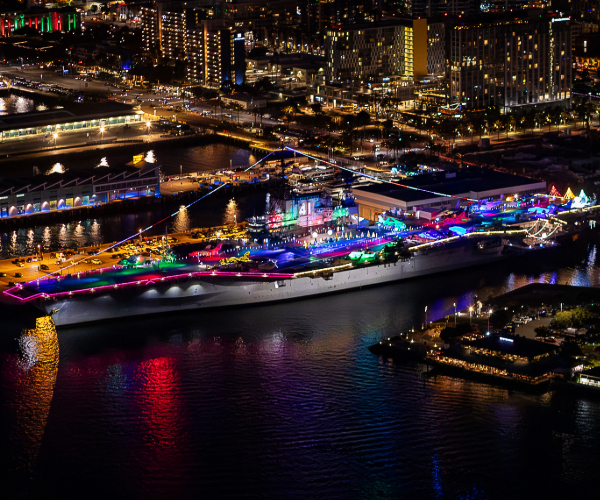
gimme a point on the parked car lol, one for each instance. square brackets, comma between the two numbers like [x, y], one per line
[20, 264]
[18, 275]
[96, 261]
[44, 267]
[2, 275]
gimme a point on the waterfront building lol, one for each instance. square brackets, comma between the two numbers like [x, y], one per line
[473, 183]
[71, 116]
[503, 356]
[511, 62]
[72, 189]
[590, 377]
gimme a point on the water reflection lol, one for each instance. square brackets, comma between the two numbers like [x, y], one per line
[206, 158]
[181, 222]
[15, 104]
[232, 213]
[29, 395]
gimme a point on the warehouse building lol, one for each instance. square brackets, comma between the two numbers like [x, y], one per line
[72, 189]
[428, 190]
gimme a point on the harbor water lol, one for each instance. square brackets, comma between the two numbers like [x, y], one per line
[286, 401]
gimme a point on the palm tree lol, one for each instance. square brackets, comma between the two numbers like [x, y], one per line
[498, 126]
[511, 121]
[539, 118]
[529, 120]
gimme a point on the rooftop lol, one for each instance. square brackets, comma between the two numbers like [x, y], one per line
[513, 345]
[69, 112]
[13, 185]
[592, 372]
[471, 180]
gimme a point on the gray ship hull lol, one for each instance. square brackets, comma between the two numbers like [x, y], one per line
[196, 294]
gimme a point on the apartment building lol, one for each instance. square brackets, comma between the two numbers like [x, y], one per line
[149, 24]
[511, 63]
[216, 53]
[362, 51]
[436, 48]
[164, 27]
[173, 27]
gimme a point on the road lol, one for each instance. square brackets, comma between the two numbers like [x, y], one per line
[203, 115]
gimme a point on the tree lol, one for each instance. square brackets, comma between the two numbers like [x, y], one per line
[498, 126]
[500, 318]
[317, 108]
[450, 334]
[94, 8]
[573, 318]
[363, 118]
[258, 52]
[541, 331]
[570, 348]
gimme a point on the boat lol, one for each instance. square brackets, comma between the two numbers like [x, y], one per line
[181, 285]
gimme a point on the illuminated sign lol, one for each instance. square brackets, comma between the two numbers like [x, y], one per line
[504, 339]
[138, 158]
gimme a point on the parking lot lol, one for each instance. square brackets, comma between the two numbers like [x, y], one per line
[68, 261]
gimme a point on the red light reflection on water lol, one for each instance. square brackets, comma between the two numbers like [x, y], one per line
[160, 404]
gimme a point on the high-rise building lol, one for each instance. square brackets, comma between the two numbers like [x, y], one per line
[511, 62]
[164, 27]
[436, 48]
[195, 55]
[173, 27]
[149, 23]
[356, 52]
[216, 54]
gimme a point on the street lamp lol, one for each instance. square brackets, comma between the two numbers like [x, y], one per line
[489, 314]
[470, 311]
[455, 314]
[102, 132]
[148, 127]
[55, 135]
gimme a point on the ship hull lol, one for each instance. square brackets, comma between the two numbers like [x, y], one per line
[196, 294]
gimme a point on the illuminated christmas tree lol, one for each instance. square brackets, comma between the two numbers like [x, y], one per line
[554, 193]
[569, 195]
